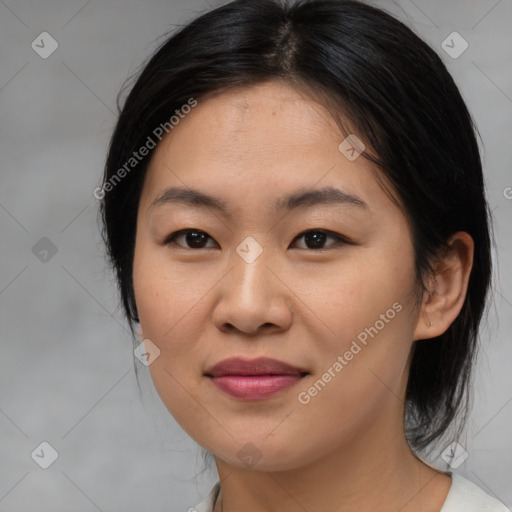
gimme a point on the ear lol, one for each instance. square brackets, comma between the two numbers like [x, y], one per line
[447, 288]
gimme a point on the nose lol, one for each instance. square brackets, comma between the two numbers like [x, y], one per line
[253, 298]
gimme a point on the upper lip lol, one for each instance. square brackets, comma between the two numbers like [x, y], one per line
[260, 366]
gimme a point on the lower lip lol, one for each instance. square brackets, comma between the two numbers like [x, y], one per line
[255, 387]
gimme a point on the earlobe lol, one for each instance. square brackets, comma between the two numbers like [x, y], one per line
[447, 288]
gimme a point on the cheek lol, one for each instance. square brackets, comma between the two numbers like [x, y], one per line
[351, 294]
[359, 383]
[168, 305]
[168, 297]
[371, 318]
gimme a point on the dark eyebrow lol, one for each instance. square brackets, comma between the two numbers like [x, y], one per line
[306, 198]
[303, 198]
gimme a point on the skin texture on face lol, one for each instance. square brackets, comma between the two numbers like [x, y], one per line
[293, 302]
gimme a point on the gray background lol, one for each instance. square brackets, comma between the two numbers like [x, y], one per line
[66, 365]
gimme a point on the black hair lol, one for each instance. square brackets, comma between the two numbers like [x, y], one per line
[401, 101]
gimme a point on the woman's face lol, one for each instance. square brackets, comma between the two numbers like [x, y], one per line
[268, 277]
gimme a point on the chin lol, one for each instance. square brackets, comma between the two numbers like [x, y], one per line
[264, 455]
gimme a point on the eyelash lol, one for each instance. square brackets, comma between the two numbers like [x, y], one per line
[172, 237]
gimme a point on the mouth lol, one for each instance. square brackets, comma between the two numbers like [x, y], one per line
[255, 379]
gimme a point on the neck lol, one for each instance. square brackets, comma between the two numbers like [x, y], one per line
[374, 472]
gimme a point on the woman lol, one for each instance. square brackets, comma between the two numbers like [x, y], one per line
[294, 205]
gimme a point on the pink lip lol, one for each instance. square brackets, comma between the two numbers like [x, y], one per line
[255, 379]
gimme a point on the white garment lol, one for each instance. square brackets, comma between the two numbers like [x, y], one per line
[464, 496]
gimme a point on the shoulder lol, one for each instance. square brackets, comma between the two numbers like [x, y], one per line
[465, 496]
[208, 503]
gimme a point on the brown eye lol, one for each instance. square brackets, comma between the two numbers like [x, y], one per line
[315, 239]
[197, 239]
[194, 238]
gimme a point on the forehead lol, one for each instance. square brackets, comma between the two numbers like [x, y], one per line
[256, 142]
[252, 121]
